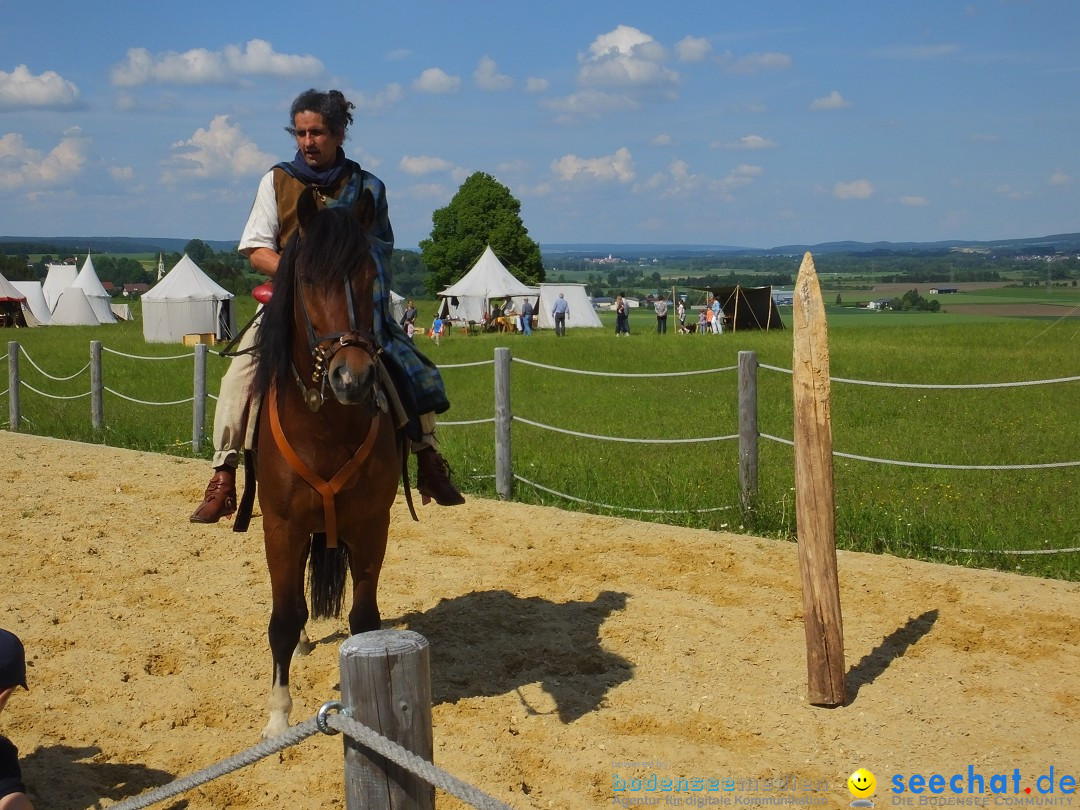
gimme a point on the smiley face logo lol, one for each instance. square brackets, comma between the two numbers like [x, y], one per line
[862, 784]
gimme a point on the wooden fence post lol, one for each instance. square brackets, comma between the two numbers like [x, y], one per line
[198, 402]
[97, 405]
[748, 429]
[815, 514]
[14, 417]
[386, 682]
[504, 470]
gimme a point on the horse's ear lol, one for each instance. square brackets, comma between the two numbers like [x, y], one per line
[306, 208]
[365, 210]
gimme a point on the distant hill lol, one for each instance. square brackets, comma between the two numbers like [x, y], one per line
[101, 244]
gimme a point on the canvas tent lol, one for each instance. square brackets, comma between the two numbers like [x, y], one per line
[90, 284]
[12, 304]
[582, 312]
[470, 296]
[748, 308]
[186, 302]
[58, 279]
[35, 301]
[397, 306]
[73, 308]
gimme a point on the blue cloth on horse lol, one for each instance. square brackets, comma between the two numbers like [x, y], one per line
[419, 382]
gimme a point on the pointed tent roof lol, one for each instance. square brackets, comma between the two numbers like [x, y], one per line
[60, 277]
[487, 279]
[186, 282]
[9, 292]
[90, 284]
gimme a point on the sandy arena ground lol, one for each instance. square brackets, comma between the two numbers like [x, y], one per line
[568, 652]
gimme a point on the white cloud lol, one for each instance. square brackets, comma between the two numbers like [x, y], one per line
[692, 49]
[855, 190]
[914, 201]
[21, 88]
[833, 101]
[423, 164]
[435, 80]
[429, 191]
[589, 103]
[487, 76]
[21, 165]
[121, 173]
[202, 66]
[746, 142]
[221, 149]
[535, 85]
[398, 54]
[754, 63]
[1060, 178]
[618, 167]
[376, 102]
[626, 57]
[663, 139]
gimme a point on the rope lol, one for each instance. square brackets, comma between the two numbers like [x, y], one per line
[620, 508]
[926, 465]
[54, 396]
[47, 374]
[621, 439]
[146, 357]
[418, 766]
[294, 735]
[1011, 551]
[144, 402]
[467, 422]
[620, 373]
[467, 365]
[943, 386]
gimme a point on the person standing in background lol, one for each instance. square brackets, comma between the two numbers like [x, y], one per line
[559, 312]
[661, 316]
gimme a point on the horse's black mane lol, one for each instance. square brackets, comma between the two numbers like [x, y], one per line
[330, 250]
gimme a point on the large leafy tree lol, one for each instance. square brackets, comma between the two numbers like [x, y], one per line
[482, 213]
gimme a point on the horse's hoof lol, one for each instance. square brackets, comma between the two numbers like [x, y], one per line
[275, 728]
[303, 647]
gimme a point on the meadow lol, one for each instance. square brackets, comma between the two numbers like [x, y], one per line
[969, 517]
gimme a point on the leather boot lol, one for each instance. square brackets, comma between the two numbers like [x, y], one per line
[433, 479]
[220, 498]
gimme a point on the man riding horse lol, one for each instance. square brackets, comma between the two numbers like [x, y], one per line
[319, 124]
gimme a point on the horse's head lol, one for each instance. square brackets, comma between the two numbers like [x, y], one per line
[325, 281]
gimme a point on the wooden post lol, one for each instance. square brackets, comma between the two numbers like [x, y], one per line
[198, 400]
[97, 404]
[814, 498]
[386, 682]
[504, 470]
[748, 429]
[14, 417]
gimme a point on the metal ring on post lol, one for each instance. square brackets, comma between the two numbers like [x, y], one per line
[324, 712]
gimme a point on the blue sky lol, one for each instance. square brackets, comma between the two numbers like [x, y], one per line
[698, 121]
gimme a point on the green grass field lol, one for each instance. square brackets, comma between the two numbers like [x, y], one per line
[902, 510]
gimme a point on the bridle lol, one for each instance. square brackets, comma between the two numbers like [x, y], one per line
[323, 348]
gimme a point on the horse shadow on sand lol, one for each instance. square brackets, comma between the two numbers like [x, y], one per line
[893, 646]
[489, 643]
[67, 777]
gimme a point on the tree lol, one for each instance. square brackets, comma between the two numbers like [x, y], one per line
[199, 252]
[482, 213]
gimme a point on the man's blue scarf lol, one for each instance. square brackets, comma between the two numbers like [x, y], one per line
[323, 178]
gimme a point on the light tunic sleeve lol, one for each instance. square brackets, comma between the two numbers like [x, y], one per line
[262, 228]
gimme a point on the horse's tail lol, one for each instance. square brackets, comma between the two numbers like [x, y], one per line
[327, 568]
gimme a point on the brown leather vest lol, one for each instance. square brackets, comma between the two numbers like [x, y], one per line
[287, 191]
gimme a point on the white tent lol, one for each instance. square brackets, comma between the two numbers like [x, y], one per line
[13, 309]
[397, 306]
[471, 295]
[187, 302]
[90, 284]
[582, 312]
[73, 308]
[35, 300]
[59, 278]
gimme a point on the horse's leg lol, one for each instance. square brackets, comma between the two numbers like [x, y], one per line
[365, 562]
[304, 645]
[284, 555]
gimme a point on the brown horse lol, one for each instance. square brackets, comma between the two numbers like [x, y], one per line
[327, 457]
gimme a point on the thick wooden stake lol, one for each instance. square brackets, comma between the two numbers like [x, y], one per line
[386, 679]
[814, 499]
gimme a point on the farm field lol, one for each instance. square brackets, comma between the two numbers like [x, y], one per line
[569, 651]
